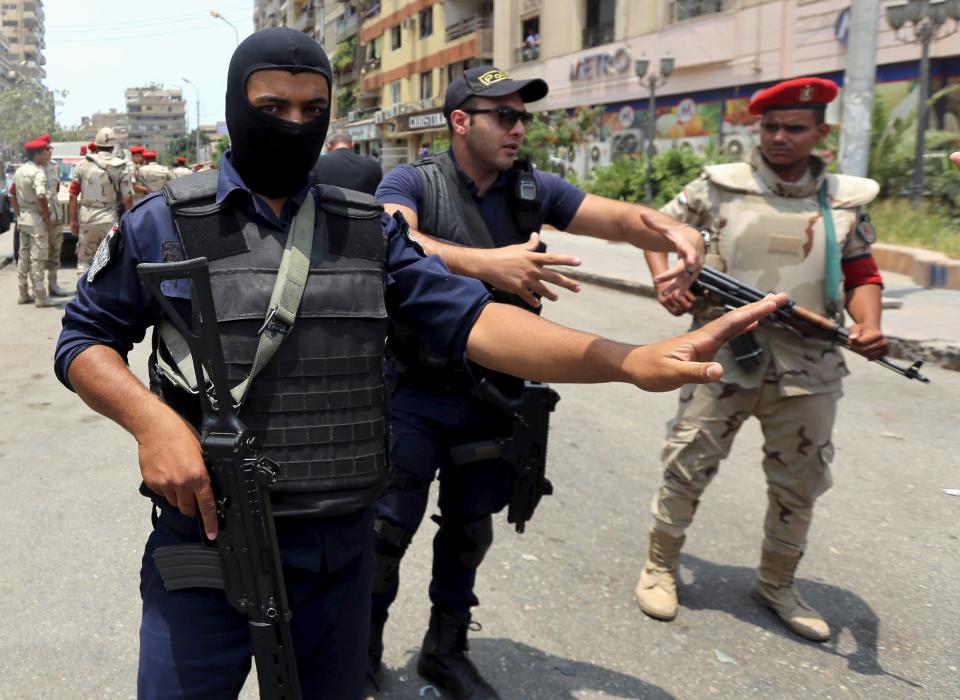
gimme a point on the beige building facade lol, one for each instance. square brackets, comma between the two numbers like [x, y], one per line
[155, 116]
[89, 126]
[23, 40]
[723, 52]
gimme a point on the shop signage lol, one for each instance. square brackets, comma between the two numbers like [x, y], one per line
[363, 132]
[422, 121]
[600, 65]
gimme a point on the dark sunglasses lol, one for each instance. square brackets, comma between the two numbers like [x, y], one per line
[507, 117]
[792, 129]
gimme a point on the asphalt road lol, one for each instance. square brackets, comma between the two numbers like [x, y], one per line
[558, 615]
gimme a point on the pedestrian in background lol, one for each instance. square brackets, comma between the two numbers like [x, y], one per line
[779, 221]
[35, 219]
[342, 167]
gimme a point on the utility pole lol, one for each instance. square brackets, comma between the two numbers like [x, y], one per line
[858, 86]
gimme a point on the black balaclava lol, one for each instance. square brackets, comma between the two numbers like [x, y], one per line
[272, 155]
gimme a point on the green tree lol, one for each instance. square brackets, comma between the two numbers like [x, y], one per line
[26, 111]
[551, 133]
[221, 147]
[184, 146]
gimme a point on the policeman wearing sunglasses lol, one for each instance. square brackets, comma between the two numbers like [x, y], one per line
[481, 209]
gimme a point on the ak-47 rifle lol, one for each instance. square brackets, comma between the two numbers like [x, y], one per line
[245, 560]
[731, 293]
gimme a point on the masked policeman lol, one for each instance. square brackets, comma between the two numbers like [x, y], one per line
[180, 169]
[100, 185]
[779, 221]
[480, 209]
[154, 175]
[317, 406]
[35, 198]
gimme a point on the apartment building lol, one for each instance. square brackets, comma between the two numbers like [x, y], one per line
[89, 126]
[155, 116]
[723, 52]
[23, 41]
[305, 15]
[412, 50]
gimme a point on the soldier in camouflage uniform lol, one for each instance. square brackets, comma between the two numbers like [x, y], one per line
[154, 175]
[767, 221]
[181, 169]
[35, 222]
[101, 187]
[140, 190]
[56, 224]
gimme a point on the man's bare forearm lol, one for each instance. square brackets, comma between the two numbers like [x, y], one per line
[865, 303]
[102, 379]
[72, 209]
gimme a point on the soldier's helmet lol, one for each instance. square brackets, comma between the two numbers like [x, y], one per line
[106, 138]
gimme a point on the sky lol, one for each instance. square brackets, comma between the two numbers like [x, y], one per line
[97, 49]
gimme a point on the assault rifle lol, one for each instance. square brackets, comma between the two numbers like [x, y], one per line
[245, 560]
[730, 293]
[525, 450]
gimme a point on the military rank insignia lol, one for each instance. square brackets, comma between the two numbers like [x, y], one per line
[865, 229]
[109, 249]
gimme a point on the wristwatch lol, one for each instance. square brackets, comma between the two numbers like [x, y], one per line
[707, 237]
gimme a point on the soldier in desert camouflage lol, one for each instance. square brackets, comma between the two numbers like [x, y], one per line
[779, 221]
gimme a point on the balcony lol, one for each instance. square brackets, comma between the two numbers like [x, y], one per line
[468, 26]
[345, 25]
[369, 9]
[305, 21]
[597, 35]
[525, 54]
[372, 64]
[681, 10]
[350, 74]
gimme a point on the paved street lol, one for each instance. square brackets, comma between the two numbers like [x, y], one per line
[558, 615]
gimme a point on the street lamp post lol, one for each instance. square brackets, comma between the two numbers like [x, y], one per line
[236, 33]
[197, 154]
[652, 82]
[927, 18]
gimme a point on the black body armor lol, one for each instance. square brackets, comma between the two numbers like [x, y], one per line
[318, 406]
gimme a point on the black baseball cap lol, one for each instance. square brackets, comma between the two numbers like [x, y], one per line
[488, 81]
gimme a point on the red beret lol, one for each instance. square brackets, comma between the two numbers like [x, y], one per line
[149, 154]
[137, 149]
[182, 160]
[83, 150]
[799, 93]
[36, 145]
[45, 137]
[91, 146]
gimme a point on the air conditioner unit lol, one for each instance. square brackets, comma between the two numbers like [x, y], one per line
[409, 23]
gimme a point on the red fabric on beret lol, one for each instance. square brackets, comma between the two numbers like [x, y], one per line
[35, 145]
[149, 154]
[137, 149]
[44, 137]
[182, 160]
[83, 150]
[799, 93]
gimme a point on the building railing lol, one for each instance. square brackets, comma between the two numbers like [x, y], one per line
[371, 64]
[468, 26]
[344, 26]
[598, 35]
[369, 9]
[525, 54]
[681, 10]
[305, 20]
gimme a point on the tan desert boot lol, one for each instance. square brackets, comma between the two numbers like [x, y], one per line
[24, 296]
[656, 590]
[773, 587]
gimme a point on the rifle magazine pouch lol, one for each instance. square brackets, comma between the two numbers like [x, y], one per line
[746, 351]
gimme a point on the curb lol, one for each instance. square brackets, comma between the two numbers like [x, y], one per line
[925, 267]
[937, 352]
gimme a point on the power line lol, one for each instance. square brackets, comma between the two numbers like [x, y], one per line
[169, 19]
[123, 37]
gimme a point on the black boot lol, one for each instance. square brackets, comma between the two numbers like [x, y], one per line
[444, 662]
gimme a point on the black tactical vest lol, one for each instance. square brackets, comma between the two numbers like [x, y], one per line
[318, 406]
[448, 212]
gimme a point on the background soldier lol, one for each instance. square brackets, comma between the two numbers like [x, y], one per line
[101, 187]
[56, 224]
[35, 219]
[478, 196]
[778, 222]
[180, 169]
[136, 182]
[154, 175]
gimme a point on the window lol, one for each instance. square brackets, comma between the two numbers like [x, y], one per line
[530, 31]
[599, 25]
[395, 37]
[426, 85]
[395, 92]
[688, 9]
[426, 22]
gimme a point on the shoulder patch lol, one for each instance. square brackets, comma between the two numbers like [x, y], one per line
[407, 233]
[865, 229]
[109, 250]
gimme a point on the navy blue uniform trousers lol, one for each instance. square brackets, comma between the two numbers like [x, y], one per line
[194, 645]
[425, 425]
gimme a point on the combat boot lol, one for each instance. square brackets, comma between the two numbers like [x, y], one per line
[656, 590]
[773, 587]
[444, 662]
[42, 300]
[54, 289]
[24, 297]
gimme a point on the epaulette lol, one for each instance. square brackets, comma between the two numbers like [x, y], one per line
[737, 177]
[848, 191]
[191, 190]
[349, 203]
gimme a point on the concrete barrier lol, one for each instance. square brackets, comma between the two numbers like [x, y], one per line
[925, 267]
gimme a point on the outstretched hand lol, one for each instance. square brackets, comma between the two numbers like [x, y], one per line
[686, 359]
[521, 270]
[690, 253]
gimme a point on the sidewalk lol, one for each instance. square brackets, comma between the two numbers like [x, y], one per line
[921, 323]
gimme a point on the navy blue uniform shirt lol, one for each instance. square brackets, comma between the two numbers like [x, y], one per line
[404, 186]
[116, 309]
